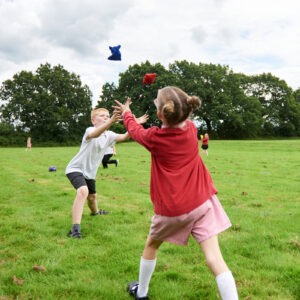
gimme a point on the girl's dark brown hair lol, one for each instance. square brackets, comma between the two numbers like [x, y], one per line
[175, 105]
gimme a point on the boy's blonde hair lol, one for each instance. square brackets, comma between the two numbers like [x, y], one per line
[95, 111]
[175, 105]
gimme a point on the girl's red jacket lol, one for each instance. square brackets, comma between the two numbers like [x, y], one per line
[179, 181]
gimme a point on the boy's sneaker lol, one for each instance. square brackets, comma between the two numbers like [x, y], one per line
[75, 234]
[100, 212]
[132, 290]
[117, 162]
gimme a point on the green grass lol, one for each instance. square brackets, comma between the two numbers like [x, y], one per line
[36, 216]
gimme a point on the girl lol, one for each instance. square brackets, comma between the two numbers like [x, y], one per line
[28, 144]
[182, 190]
[205, 143]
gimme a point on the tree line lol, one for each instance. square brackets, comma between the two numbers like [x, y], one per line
[53, 106]
[234, 105]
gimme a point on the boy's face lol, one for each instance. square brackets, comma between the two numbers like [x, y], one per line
[100, 118]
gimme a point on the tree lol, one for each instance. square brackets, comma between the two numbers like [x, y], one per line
[210, 83]
[226, 110]
[51, 104]
[10, 136]
[296, 95]
[244, 120]
[280, 110]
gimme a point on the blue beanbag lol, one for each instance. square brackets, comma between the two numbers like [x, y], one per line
[115, 53]
[52, 169]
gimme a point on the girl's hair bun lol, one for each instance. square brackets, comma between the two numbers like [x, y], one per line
[168, 109]
[176, 105]
[193, 102]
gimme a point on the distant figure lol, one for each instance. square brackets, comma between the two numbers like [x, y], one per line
[205, 143]
[181, 189]
[28, 144]
[108, 154]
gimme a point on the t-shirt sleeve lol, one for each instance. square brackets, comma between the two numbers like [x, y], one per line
[111, 138]
[87, 132]
[138, 132]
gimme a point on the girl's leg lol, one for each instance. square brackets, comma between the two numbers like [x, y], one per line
[216, 263]
[213, 255]
[151, 248]
[147, 265]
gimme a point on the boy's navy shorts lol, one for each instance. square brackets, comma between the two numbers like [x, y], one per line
[77, 179]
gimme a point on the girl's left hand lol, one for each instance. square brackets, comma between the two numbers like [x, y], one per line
[143, 119]
[121, 108]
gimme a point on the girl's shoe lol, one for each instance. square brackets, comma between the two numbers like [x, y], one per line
[132, 289]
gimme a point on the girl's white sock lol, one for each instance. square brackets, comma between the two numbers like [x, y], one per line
[146, 269]
[227, 287]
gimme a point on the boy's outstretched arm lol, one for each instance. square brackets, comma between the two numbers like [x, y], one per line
[122, 137]
[99, 130]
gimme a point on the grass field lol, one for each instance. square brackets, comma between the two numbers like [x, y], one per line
[259, 187]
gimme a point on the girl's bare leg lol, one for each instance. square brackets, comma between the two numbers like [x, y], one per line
[216, 263]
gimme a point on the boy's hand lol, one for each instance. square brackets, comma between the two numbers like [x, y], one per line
[116, 117]
[143, 119]
[121, 108]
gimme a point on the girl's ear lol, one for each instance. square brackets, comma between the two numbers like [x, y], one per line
[159, 115]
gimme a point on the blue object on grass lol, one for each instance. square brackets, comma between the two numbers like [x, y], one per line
[52, 169]
[115, 53]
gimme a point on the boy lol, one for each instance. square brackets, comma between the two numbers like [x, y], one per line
[82, 169]
[110, 151]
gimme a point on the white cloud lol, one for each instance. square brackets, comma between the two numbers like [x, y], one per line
[250, 36]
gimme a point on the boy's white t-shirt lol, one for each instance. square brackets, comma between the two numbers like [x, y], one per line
[91, 153]
[109, 150]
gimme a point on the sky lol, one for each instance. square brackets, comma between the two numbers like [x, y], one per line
[250, 36]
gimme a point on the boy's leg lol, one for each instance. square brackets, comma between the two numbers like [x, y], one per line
[92, 199]
[105, 160]
[216, 263]
[147, 265]
[92, 203]
[77, 209]
[112, 161]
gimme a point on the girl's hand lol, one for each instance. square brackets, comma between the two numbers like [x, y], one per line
[121, 108]
[143, 119]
